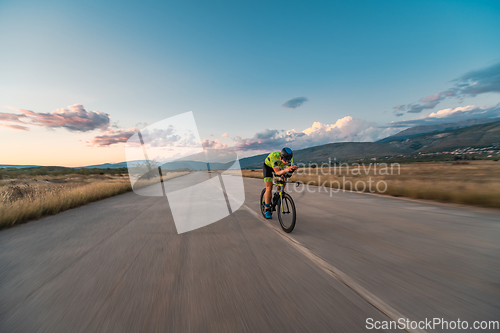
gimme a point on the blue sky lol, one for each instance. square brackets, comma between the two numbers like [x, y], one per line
[235, 64]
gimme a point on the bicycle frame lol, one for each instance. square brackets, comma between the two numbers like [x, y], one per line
[281, 189]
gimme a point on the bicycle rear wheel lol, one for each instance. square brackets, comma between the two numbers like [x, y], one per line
[262, 203]
[286, 213]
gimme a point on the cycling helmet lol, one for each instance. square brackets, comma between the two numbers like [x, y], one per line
[286, 154]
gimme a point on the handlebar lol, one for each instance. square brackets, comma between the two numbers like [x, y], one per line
[281, 182]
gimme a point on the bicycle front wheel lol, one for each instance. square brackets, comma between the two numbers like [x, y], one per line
[286, 213]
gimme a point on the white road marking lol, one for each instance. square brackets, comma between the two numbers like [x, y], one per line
[337, 274]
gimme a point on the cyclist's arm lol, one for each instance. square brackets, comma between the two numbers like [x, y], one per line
[279, 172]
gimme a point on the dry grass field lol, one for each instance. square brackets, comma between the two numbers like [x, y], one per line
[25, 199]
[28, 198]
[472, 183]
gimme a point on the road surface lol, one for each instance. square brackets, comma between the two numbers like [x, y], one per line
[118, 265]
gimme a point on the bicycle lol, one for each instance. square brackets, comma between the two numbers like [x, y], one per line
[282, 202]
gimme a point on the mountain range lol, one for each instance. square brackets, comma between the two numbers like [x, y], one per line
[475, 133]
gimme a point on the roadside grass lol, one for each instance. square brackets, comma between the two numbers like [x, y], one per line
[22, 201]
[474, 183]
[28, 198]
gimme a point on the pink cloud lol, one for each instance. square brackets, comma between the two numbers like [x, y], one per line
[75, 118]
[16, 127]
[11, 117]
[111, 137]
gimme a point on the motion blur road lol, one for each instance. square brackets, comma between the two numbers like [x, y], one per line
[118, 265]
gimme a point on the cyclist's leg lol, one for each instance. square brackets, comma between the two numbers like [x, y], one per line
[267, 199]
[269, 191]
[268, 180]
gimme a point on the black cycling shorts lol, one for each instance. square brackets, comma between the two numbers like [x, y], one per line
[268, 172]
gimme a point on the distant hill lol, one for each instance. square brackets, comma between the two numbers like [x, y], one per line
[16, 166]
[106, 165]
[342, 151]
[473, 136]
[418, 130]
[97, 166]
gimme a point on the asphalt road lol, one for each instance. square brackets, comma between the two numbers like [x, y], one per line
[118, 265]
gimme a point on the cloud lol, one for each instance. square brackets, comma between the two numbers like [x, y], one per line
[224, 135]
[213, 144]
[262, 140]
[75, 118]
[295, 102]
[266, 134]
[165, 137]
[152, 137]
[451, 115]
[429, 102]
[11, 117]
[16, 127]
[486, 80]
[112, 136]
[343, 130]
[480, 81]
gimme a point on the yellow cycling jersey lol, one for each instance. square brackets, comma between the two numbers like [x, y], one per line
[273, 160]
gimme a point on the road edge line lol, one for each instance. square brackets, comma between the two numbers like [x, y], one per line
[338, 274]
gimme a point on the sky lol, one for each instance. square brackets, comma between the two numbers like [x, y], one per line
[78, 78]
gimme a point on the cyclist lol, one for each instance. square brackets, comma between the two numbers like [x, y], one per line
[275, 163]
